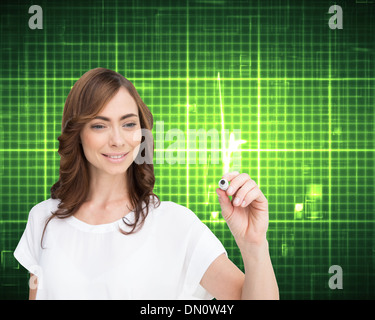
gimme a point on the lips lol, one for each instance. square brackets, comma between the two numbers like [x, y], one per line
[115, 155]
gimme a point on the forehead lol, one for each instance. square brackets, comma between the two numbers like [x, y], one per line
[121, 103]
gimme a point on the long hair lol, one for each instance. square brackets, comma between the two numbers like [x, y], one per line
[86, 99]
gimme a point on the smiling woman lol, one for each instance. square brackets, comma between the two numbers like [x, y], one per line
[95, 127]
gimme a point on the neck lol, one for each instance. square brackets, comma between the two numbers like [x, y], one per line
[106, 189]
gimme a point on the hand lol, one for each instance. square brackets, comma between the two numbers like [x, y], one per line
[247, 221]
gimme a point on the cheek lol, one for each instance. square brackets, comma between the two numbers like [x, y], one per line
[135, 152]
[136, 137]
[90, 144]
[134, 140]
[135, 146]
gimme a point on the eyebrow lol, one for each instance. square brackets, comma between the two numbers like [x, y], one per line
[122, 118]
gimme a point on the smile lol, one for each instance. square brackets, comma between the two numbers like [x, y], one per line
[115, 158]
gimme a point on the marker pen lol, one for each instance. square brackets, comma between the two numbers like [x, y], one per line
[223, 184]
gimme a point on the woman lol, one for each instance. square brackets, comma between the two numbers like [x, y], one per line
[104, 234]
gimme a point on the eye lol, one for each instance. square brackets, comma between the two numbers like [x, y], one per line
[130, 125]
[97, 126]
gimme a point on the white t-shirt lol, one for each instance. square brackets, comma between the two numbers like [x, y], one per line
[165, 259]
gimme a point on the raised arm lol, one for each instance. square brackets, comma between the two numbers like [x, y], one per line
[247, 219]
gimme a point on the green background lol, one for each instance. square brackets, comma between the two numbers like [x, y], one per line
[301, 94]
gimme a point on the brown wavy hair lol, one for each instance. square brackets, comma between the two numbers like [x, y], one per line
[86, 99]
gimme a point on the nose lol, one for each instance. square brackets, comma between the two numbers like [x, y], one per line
[116, 138]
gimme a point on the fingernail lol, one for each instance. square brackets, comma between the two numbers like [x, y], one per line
[236, 201]
[230, 190]
[243, 203]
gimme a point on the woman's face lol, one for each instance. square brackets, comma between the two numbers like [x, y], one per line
[111, 141]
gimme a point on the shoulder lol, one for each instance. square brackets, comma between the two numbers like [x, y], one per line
[174, 212]
[44, 209]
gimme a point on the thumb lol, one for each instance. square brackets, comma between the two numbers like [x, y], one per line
[225, 203]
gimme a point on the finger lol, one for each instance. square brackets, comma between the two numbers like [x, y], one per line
[225, 204]
[230, 175]
[254, 195]
[239, 196]
[237, 182]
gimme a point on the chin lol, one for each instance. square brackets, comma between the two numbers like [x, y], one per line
[117, 171]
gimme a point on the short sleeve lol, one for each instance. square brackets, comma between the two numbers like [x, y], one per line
[29, 246]
[204, 248]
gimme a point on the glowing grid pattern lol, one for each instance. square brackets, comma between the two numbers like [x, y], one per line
[301, 94]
